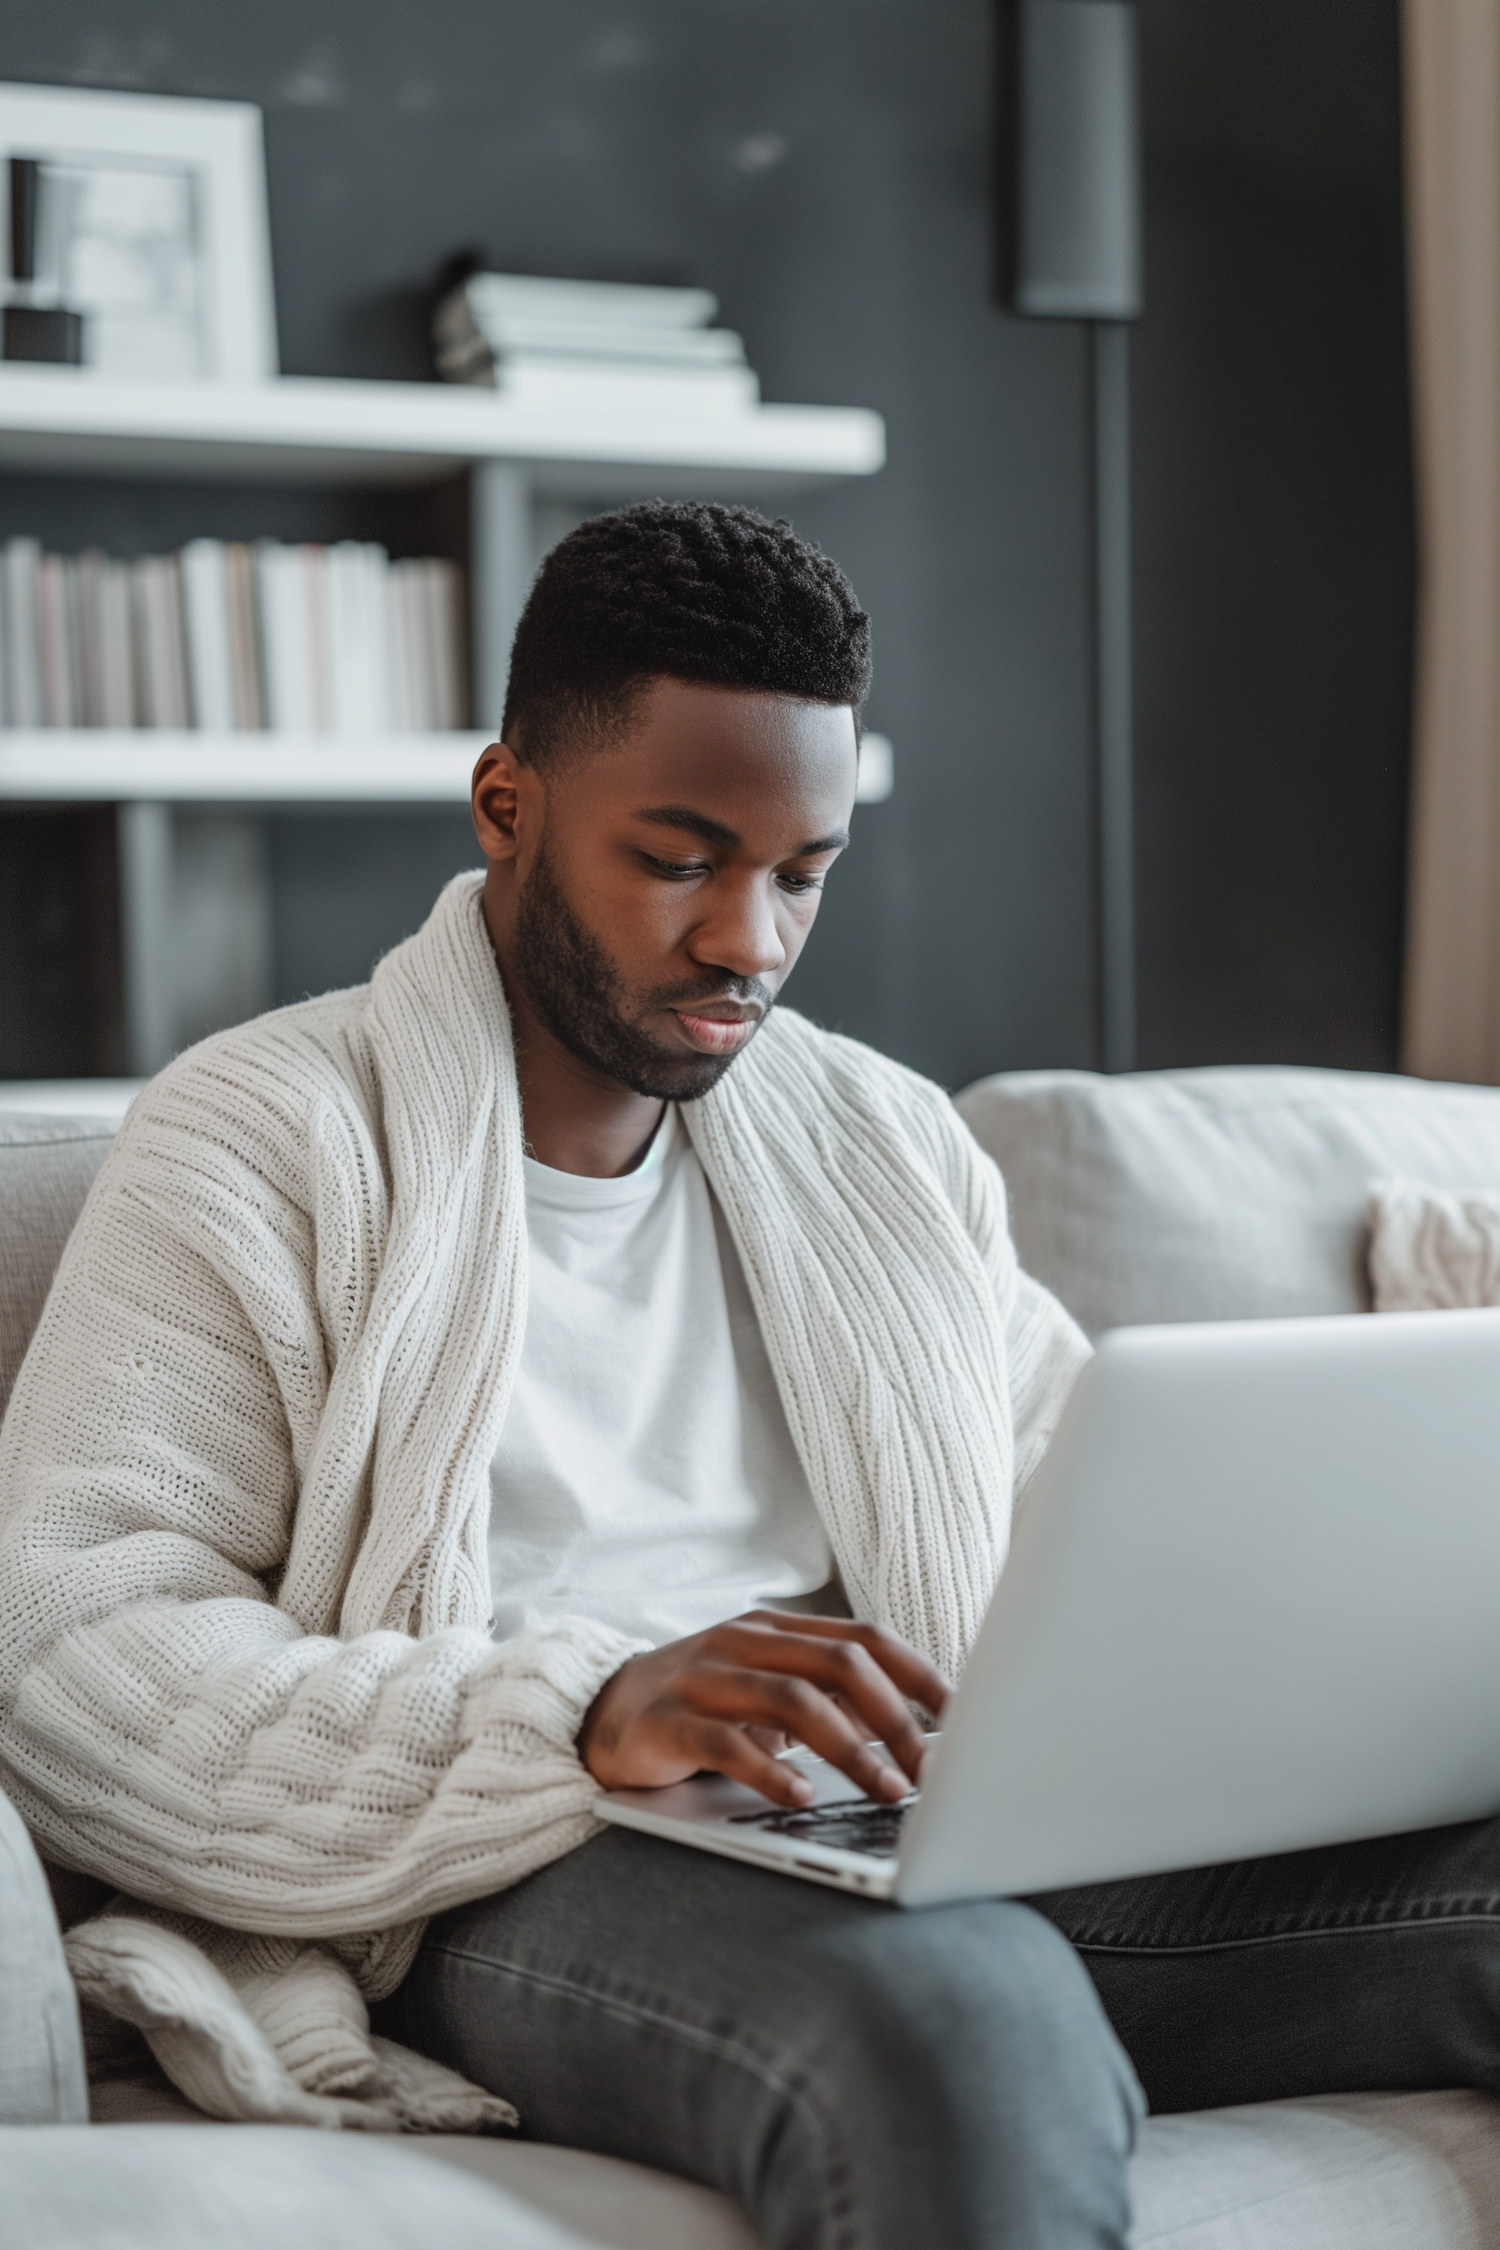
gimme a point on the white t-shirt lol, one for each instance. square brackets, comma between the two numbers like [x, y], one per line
[645, 1475]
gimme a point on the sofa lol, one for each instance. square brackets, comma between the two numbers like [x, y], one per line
[1202, 1195]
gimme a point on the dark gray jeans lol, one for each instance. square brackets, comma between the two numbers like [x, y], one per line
[859, 2078]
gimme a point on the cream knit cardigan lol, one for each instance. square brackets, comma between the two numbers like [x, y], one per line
[245, 1666]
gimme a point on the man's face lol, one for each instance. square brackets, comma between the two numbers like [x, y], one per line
[652, 898]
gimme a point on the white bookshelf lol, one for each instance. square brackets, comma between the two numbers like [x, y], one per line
[322, 431]
[535, 465]
[101, 766]
[527, 457]
[94, 766]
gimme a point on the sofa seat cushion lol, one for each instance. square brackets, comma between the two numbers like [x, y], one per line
[1345, 2172]
[619, 2206]
[154, 2187]
[1370, 2171]
[1217, 1194]
[622, 2206]
[1352, 2172]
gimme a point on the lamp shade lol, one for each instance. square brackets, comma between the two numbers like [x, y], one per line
[1068, 159]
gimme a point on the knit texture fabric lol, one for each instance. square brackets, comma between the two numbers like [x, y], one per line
[1431, 1250]
[245, 1669]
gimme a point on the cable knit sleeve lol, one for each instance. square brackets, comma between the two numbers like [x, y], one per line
[164, 1723]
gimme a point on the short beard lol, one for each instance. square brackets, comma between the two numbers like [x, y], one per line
[580, 996]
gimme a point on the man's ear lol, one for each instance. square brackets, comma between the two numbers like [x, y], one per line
[500, 798]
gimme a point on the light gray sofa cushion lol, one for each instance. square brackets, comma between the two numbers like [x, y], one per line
[47, 1166]
[1346, 2172]
[621, 2206]
[617, 2205]
[41, 2049]
[1351, 2172]
[154, 2187]
[1216, 1194]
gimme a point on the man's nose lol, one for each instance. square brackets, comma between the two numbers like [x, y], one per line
[741, 933]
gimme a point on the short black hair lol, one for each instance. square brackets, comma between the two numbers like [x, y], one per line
[686, 590]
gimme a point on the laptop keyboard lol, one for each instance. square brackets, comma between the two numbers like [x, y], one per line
[862, 1827]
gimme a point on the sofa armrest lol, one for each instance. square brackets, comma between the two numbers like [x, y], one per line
[42, 2078]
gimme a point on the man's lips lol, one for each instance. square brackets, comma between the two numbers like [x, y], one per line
[717, 1029]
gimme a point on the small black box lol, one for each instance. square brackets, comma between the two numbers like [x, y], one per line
[43, 332]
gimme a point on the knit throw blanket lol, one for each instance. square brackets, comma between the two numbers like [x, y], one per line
[245, 1665]
[1432, 1250]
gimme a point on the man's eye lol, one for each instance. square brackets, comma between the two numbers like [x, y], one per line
[797, 884]
[679, 870]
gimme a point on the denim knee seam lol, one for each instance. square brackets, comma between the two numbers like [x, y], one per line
[838, 2201]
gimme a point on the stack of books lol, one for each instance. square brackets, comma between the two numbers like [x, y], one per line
[591, 344]
[300, 640]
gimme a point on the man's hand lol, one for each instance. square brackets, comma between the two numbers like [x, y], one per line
[718, 1700]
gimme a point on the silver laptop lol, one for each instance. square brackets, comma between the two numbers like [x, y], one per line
[1252, 1604]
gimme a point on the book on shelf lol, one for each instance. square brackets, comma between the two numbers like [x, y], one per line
[224, 637]
[357, 593]
[407, 657]
[164, 689]
[205, 594]
[57, 642]
[105, 654]
[286, 591]
[23, 656]
[244, 639]
[494, 298]
[573, 345]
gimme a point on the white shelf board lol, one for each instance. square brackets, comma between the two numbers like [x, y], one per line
[100, 766]
[319, 430]
[102, 1101]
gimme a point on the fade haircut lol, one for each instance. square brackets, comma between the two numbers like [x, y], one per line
[686, 590]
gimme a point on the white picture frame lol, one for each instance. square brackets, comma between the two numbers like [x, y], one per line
[217, 150]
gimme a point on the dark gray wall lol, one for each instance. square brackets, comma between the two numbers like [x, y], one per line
[825, 169]
[1273, 534]
[60, 1013]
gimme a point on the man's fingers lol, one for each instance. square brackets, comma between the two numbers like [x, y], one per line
[922, 1683]
[841, 1668]
[844, 1671]
[782, 1699]
[732, 1750]
[723, 1698]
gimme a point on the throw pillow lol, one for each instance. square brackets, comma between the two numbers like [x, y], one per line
[1432, 1251]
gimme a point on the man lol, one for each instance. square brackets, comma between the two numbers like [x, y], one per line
[549, 1368]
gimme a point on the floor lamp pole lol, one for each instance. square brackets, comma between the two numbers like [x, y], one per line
[1113, 695]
